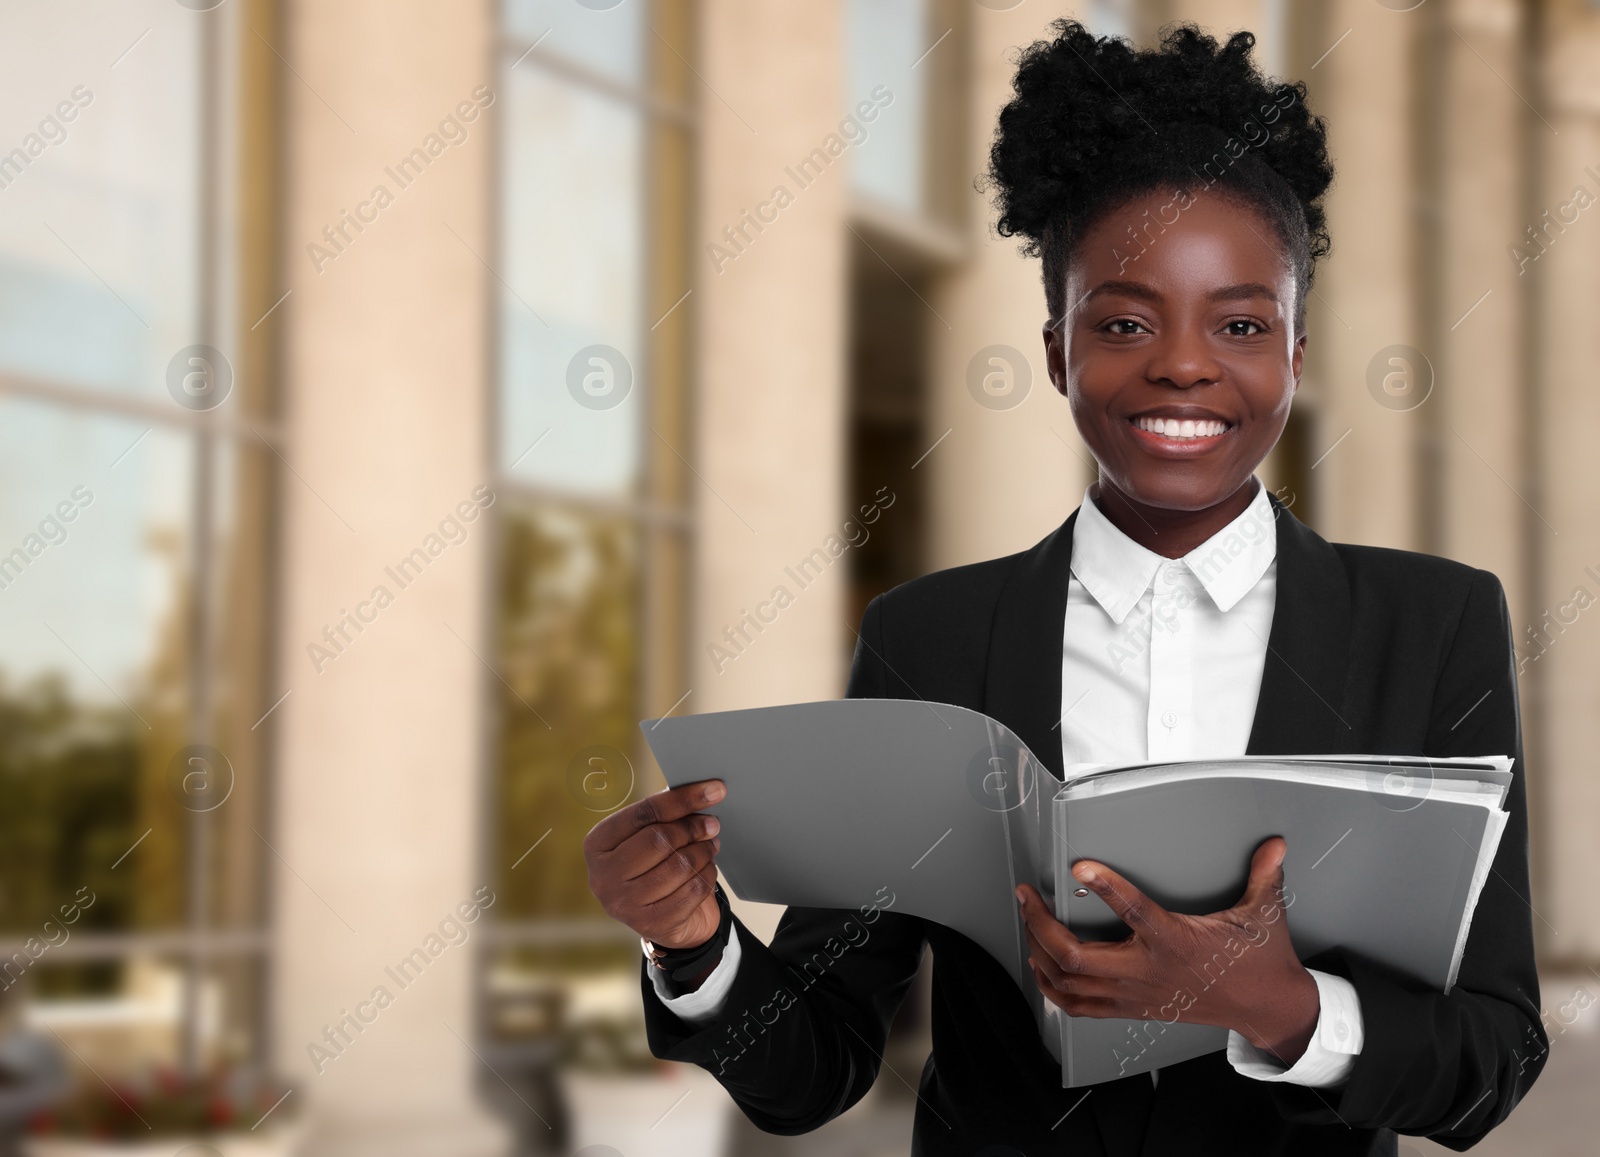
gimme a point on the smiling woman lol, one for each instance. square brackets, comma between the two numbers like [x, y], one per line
[1179, 369]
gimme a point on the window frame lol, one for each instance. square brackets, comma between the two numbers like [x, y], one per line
[653, 517]
[238, 129]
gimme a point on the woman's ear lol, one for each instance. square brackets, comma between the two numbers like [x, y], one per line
[1055, 354]
[1297, 361]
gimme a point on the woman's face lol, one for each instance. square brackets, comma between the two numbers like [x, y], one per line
[1177, 352]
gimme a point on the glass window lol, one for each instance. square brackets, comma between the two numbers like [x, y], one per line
[132, 517]
[570, 312]
[594, 309]
[888, 41]
[605, 36]
[100, 183]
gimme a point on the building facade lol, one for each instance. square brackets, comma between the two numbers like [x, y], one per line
[591, 360]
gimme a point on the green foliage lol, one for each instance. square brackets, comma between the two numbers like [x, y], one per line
[568, 650]
[68, 784]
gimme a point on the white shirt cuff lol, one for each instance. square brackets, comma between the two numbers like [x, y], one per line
[1333, 1048]
[705, 1002]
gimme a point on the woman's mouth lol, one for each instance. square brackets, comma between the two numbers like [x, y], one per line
[1181, 427]
[1178, 437]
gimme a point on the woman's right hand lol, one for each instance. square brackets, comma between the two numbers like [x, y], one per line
[652, 865]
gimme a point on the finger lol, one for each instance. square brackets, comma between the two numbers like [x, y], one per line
[679, 904]
[1265, 886]
[642, 851]
[1075, 1003]
[662, 807]
[1140, 913]
[672, 873]
[1048, 938]
[1087, 968]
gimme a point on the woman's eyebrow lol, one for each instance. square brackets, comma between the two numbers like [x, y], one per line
[1126, 289]
[1245, 290]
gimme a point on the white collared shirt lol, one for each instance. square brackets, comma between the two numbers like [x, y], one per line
[1161, 659]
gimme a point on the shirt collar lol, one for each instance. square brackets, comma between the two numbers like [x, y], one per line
[1116, 571]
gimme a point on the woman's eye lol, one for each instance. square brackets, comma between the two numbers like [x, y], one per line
[1114, 326]
[1235, 331]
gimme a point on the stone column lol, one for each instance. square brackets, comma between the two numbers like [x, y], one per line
[375, 837]
[1566, 674]
[770, 275]
[1008, 471]
[1479, 404]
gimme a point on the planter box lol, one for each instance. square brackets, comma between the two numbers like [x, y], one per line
[281, 1144]
[650, 1115]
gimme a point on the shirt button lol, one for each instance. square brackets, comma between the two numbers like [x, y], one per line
[1341, 1030]
[1169, 719]
[1172, 572]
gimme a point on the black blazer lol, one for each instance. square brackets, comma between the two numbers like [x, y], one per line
[1371, 650]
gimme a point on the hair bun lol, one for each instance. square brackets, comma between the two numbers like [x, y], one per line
[1095, 121]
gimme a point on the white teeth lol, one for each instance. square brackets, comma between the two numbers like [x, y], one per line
[1186, 428]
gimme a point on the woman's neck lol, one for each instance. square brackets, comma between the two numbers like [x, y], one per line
[1161, 530]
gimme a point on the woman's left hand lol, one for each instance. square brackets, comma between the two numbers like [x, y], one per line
[1234, 968]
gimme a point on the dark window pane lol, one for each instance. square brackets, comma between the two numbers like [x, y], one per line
[569, 650]
[95, 543]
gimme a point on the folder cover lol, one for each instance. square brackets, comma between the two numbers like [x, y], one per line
[940, 812]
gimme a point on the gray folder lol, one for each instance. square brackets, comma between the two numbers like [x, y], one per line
[940, 812]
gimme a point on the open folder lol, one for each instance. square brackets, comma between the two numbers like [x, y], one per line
[940, 812]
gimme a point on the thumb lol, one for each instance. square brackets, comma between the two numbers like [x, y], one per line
[1265, 887]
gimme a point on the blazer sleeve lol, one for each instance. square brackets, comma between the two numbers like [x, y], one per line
[800, 1037]
[1453, 1067]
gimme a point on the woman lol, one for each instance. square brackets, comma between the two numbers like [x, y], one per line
[1174, 197]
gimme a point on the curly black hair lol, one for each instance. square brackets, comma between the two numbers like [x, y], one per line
[1096, 123]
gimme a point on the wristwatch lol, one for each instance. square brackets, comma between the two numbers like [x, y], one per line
[683, 964]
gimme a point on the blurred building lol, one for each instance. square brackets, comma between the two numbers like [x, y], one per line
[400, 401]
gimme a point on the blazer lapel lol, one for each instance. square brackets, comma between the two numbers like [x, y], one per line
[1300, 710]
[1022, 687]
